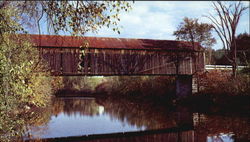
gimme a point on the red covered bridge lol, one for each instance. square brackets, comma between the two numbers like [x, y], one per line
[69, 55]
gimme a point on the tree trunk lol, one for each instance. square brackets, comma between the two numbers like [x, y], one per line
[234, 58]
[234, 66]
[209, 56]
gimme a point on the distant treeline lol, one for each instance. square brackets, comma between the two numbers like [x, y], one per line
[220, 56]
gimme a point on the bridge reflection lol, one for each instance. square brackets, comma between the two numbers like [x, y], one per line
[185, 134]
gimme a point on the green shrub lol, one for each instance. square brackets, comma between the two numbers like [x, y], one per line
[25, 83]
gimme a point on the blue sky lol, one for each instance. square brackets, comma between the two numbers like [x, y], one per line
[159, 19]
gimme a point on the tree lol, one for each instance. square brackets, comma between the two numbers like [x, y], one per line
[220, 57]
[225, 26]
[191, 30]
[75, 17]
[23, 80]
[243, 48]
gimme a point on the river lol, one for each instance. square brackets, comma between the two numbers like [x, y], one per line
[81, 117]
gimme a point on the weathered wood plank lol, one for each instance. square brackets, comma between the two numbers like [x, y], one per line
[117, 62]
[57, 60]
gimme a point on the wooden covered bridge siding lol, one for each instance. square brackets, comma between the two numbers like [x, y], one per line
[105, 58]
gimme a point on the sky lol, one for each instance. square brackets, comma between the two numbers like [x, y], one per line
[159, 19]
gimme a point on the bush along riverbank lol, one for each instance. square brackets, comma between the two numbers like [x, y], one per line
[221, 93]
[134, 87]
[26, 84]
[25, 81]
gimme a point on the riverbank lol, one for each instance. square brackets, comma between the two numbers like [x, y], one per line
[134, 102]
[218, 91]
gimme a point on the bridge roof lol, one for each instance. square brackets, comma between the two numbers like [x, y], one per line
[112, 43]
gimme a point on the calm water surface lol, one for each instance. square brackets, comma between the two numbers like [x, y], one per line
[80, 116]
[87, 116]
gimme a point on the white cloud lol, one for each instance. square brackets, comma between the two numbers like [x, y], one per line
[158, 20]
[144, 22]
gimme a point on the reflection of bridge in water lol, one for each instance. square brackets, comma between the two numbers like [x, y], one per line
[163, 135]
[95, 56]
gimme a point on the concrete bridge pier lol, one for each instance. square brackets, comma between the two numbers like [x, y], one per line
[183, 85]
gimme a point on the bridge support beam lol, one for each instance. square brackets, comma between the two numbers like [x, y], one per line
[183, 85]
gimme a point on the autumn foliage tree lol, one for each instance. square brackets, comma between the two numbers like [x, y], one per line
[191, 30]
[75, 17]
